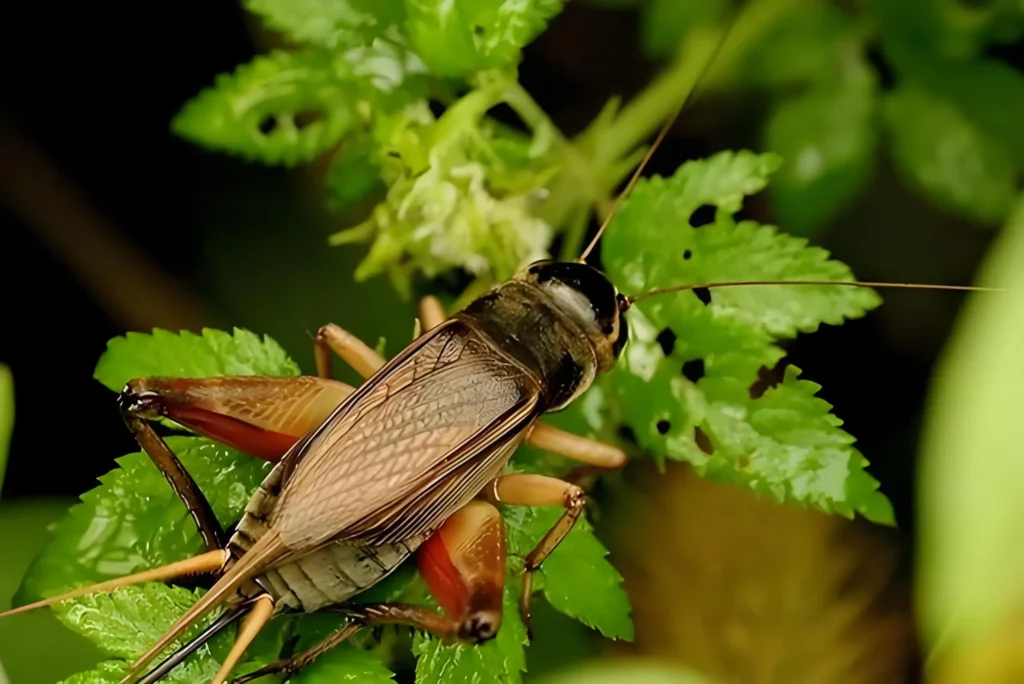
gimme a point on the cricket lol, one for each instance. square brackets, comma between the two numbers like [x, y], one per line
[409, 464]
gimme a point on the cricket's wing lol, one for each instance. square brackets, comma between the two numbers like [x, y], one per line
[449, 406]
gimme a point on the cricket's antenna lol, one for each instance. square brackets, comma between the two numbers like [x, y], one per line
[631, 299]
[666, 127]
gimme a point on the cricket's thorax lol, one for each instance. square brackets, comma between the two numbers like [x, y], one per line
[332, 574]
[541, 334]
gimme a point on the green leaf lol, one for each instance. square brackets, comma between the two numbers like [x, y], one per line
[784, 444]
[111, 671]
[947, 157]
[987, 91]
[187, 355]
[6, 416]
[500, 660]
[659, 213]
[807, 44]
[576, 578]
[289, 107]
[330, 24]
[458, 39]
[133, 521]
[126, 622]
[344, 663]
[353, 175]
[665, 23]
[969, 591]
[827, 139]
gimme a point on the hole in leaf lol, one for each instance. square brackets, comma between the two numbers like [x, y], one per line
[305, 118]
[886, 75]
[663, 426]
[703, 441]
[766, 379]
[626, 434]
[503, 113]
[703, 294]
[436, 108]
[703, 215]
[479, 30]
[687, 254]
[667, 340]
[268, 125]
[693, 370]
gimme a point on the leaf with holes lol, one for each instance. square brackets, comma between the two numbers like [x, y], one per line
[659, 213]
[683, 383]
[458, 39]
[785, 444]
[331, 25]
[290, 107]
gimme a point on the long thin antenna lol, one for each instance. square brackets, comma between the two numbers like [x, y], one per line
[662, 134]
[630, 299]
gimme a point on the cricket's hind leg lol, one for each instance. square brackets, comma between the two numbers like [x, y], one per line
[463, 564]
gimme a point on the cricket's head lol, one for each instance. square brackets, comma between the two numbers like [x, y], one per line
[587, 296]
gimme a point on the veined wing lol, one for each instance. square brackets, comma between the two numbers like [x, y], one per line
[443, 404]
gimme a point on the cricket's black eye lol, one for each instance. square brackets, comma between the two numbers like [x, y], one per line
[598, 291]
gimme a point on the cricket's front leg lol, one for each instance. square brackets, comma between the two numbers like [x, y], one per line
[463, 565]
[331, 338]
[538, 490]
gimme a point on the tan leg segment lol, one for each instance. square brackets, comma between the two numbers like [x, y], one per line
[539, 490]
[577, 448]
[441, 626]
[353, 350]
[258, 616]
[431, 313]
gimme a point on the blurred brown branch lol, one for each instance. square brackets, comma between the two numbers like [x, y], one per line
[127, 284]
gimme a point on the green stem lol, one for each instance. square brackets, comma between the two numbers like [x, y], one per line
[710, 49]
[645, 113]
[531, 113]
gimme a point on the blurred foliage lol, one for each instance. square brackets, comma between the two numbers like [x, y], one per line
[744, 589]
[397, 100]
[915, 75]
[6, 415]
[969, 587]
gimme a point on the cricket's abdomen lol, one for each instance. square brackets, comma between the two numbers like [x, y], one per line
[327, 576]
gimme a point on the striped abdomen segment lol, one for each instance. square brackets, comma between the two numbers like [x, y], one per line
[329, 575]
